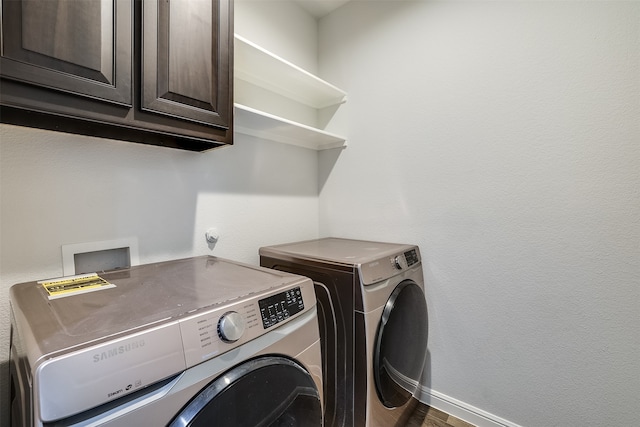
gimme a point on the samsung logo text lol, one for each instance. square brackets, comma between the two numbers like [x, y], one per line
[117, 351]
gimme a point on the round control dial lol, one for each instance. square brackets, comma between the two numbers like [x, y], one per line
[399, 262]
[231, 326]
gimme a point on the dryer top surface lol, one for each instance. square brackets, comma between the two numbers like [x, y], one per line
[337, 250]
[373, 261]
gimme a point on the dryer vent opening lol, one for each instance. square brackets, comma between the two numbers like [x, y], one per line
[105, 260]
[102, 256]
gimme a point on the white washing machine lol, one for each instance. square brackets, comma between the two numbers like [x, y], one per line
[373, 325]
[194, 342]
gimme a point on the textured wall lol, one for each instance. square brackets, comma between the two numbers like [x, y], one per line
[503, 138]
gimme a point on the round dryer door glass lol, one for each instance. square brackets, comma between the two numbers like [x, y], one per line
[401, 345]
[268, 391]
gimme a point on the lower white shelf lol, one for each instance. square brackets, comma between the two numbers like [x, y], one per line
[257, 123]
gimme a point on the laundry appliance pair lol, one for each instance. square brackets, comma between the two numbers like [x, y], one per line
[373, 325]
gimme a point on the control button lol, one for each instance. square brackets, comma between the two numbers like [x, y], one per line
[231, 326]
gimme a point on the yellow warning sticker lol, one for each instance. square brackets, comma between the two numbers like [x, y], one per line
[72, 285]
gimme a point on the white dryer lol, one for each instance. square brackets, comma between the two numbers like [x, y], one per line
[373, 324]
[180, 343]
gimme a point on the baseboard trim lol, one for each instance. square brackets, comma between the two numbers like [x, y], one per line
[462, 410]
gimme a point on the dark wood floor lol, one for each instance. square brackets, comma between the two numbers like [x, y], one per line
[426, 416]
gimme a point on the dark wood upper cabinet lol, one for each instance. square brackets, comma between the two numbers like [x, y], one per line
[152, 71]
[75, 46]
[182, 59]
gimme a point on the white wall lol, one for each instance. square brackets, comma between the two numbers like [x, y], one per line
[503, 138]
[58, 189]
[282, 27]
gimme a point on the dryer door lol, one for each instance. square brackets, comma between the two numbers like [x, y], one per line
[401, 345]
[267, 391]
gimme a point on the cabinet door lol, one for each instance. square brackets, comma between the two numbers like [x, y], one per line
[186, 64]
[80, 47]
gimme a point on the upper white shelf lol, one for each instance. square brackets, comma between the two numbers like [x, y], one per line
[262, 68]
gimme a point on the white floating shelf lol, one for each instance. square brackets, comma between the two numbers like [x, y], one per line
[262, 68]
[259, 124]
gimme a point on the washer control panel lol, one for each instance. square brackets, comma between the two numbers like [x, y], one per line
[405, 260]
[389, 266]
[280, 307]
[411, 257]
[209, 333]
